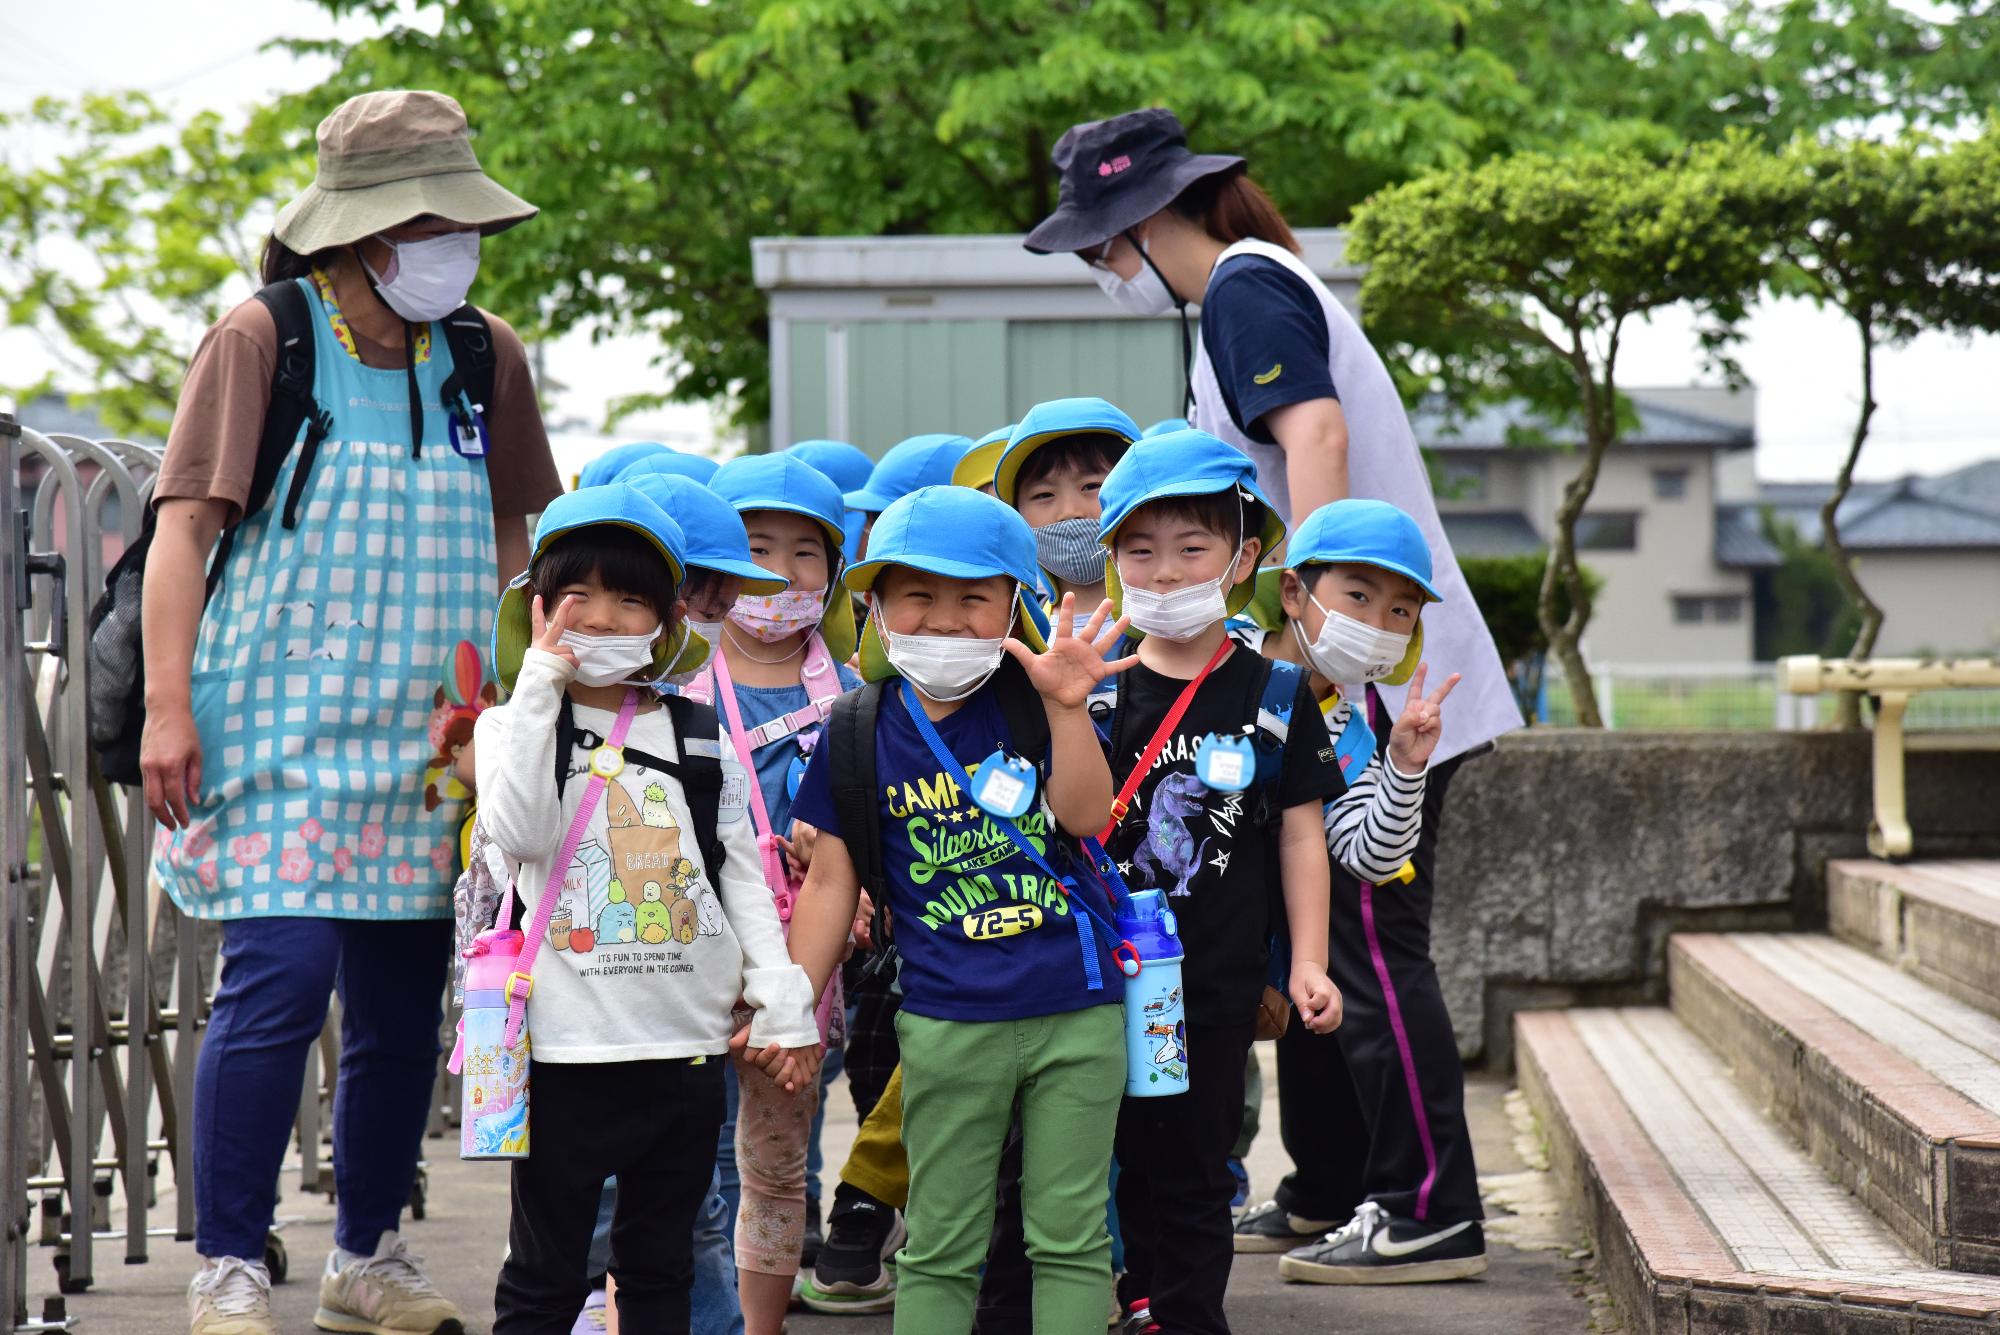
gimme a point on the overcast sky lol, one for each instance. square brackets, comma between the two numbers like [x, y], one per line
[1939, 397]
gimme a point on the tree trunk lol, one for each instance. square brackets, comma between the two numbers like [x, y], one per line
[1847, 713]
[1566, 636]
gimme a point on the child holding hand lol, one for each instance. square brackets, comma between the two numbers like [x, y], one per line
[632, 982]
[1009, 987]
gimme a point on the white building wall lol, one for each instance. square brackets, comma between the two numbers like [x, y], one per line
[1943, 602]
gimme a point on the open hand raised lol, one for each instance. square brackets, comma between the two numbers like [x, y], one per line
[1070, 668]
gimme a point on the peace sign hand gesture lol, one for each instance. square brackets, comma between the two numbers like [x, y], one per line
[1073, 664]
[549, 630]
[1417, 731]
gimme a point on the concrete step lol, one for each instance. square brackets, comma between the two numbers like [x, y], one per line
[1707, 1216]
[1892, 1086]
[1938, 920]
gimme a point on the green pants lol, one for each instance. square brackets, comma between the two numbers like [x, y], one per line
[960, 1080]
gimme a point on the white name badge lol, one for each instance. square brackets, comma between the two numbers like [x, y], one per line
[469, 437]
[1004, 786]
[1225, 764]
[735, 798]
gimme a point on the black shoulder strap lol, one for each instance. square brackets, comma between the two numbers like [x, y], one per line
[470, 339]
[1021, 707]
[292, 402]
[850, 729]
[701, 778]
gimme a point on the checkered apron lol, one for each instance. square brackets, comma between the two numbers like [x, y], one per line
[319, 659]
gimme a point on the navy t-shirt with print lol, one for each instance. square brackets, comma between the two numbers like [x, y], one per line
[1267, 338]
[984, 933]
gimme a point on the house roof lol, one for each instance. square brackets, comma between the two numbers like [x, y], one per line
[1685, 417]
[1491, 533]
[1954, 511]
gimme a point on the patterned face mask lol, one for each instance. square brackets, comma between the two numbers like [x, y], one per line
[772, 617]
[1069, 550]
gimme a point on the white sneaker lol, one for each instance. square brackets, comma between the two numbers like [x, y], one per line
[231, 1296]
[384, 1294]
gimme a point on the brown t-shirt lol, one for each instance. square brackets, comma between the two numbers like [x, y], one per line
[212, 449]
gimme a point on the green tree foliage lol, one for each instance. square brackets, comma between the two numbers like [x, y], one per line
[119, 250]
[1528, 269]
[1899, 238]
[1801, 606]
[1508, 590]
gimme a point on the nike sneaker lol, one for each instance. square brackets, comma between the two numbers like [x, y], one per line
[1271, 1228]
[1376, 1247]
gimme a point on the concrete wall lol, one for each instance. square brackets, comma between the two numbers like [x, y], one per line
[1944, 602]
[1567, 857]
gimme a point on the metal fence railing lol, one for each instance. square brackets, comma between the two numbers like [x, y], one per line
[1738, 696]
[104, 986]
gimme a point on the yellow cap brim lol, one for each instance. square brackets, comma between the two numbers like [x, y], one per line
[513, 631]
[975, 470]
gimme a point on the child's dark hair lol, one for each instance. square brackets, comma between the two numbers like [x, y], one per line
[622, 560]
[1227, 514]
[1084, 452]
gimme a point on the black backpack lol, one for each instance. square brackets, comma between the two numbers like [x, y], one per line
[850, 729]
[117, 668]
[699, 774]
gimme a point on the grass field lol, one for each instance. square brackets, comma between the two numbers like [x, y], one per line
[1747, 702]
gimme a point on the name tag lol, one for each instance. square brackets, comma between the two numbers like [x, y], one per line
[1225, 764]
[735, 798]
[468, 435]
[1004, 786]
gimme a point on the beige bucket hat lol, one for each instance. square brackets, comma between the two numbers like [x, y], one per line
[388, 157]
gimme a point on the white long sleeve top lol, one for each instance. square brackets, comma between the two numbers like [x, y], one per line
[645, 955]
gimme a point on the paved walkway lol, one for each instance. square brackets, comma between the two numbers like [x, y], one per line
[1534, 1284]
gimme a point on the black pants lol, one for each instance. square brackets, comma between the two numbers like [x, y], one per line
[1174, 1185]
[872, 1050]
[653, 1125]
[1378, 1112]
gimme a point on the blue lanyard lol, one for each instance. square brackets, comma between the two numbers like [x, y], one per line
[1093, 976]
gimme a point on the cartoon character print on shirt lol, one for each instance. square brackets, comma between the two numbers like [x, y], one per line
[954, 848]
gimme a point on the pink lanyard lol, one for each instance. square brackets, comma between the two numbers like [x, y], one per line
[605, 762]
[818, 664]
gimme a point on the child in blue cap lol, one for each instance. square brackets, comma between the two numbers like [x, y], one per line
[976, 467]
[1223, 765]
[644, 922]
[920, 461]
[1357, 580]
[1009, 990]
[779, 669]
[1055, 462]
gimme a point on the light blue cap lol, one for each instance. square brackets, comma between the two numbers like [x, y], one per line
[671, 463]
[1163, 426]
[615, 505]
[920, 461]
[1364, 532]
[959, 533]
[1053, 420]
[713, 530]
[607, 466]
[1181, 464]
[848, 465]
[784, 481]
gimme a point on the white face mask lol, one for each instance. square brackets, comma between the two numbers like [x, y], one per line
[1145, 293]
[1351, 652]
[1180, 614]
[432, 275]
[708, 630]
[943, 667]
[607, 660]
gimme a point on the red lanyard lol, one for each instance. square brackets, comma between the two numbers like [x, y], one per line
[1122, 803]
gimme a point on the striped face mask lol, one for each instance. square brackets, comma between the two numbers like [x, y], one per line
[1069, 550]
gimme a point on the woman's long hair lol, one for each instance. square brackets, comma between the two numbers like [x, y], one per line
[1231, 207]
[281, 262]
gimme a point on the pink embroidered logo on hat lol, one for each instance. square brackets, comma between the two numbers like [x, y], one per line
[1112, 166]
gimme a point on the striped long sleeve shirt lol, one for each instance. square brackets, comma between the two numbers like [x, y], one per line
[1372, 828]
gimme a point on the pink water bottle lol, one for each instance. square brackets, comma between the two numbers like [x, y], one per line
[493, 1077]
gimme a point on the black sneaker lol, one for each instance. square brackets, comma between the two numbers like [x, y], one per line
[814, 1240]
[1271, 1228]
[1375, 1247]
[854, 1271]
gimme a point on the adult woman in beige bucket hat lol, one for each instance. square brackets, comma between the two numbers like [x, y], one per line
[287, 719]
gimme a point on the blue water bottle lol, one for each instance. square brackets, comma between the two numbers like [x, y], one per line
[1155, 1011]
